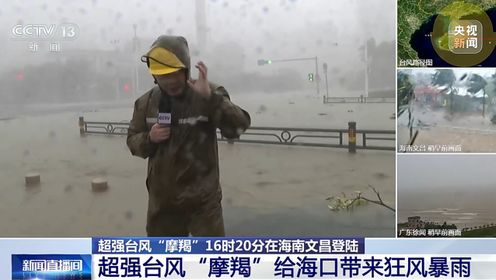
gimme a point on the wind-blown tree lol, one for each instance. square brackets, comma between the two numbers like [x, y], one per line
[477, 83]
[405, 91]
[491, 93]
[405, 95]
[445, 77]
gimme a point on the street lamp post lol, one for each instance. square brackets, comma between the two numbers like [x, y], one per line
[327, 85]
[317, 77]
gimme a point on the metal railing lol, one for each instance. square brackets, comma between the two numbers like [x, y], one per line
[106, 128]
[289, 136]
[359, 99]
[315, 137]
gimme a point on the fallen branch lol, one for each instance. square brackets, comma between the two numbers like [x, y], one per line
[380, 202]
[339, 203]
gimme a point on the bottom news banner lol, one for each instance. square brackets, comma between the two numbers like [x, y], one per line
[246, 258]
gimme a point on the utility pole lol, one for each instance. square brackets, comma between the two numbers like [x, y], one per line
[327, 85]
[317, 77]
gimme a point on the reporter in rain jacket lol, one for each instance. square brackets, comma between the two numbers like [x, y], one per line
[183, 164]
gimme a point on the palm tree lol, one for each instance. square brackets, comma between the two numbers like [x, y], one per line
[405, 96]
[445, 77]
[477, 83]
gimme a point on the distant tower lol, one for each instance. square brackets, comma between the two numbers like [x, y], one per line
[136, 64]
[201, 24]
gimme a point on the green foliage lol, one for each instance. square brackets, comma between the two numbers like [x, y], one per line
[337, 203]
[487, 231]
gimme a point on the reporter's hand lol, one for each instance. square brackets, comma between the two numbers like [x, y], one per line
[201, 85]
[159, 133]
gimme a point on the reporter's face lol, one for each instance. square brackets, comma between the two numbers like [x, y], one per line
[173, 83]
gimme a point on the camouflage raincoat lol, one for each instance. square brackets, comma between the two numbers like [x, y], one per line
[183, 173]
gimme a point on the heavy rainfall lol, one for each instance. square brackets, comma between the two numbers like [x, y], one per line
[446, 110]
[255, 50]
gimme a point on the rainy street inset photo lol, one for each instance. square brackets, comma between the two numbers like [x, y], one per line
[447, 110]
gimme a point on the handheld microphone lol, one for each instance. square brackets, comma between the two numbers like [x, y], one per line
[164, 111]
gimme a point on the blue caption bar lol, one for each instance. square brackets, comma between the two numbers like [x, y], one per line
[201, 245]
[51, 267]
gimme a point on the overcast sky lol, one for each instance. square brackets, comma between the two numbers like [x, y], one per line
[331, 29]
[423, 172]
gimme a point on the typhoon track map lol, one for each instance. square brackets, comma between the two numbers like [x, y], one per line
[427, 29]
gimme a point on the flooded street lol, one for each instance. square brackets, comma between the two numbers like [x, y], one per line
[470, 130]
[268, 189]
